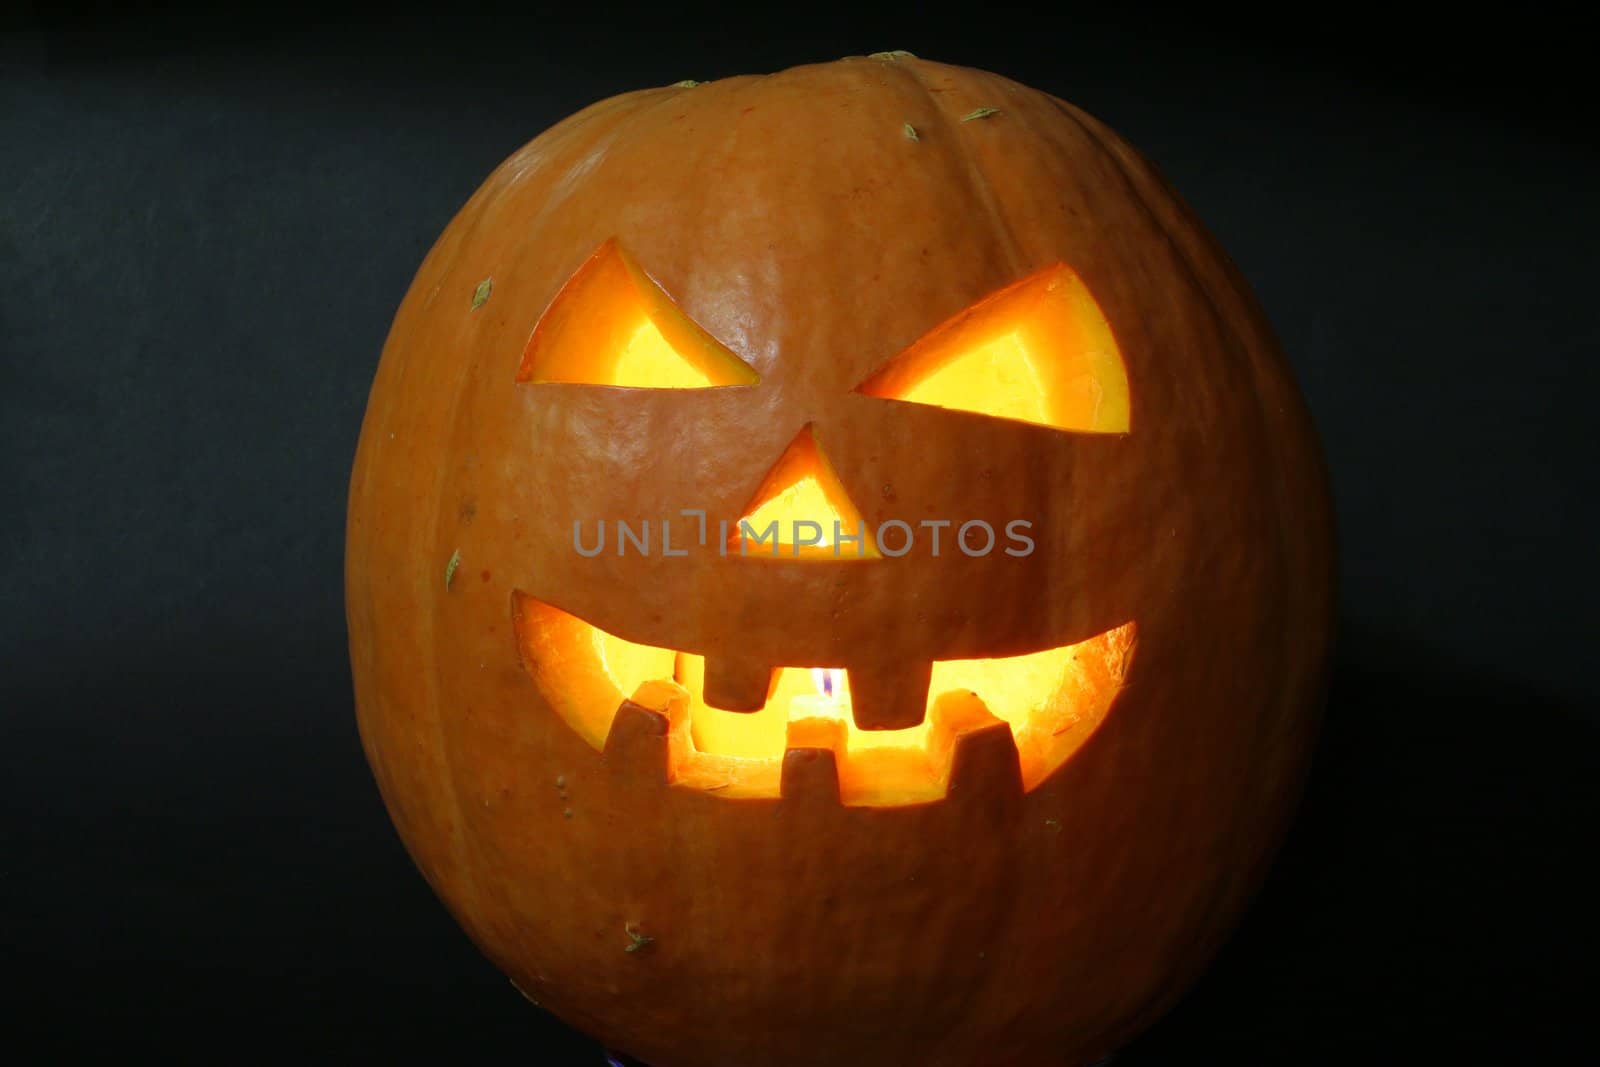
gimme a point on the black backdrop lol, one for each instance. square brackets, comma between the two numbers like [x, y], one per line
[205, 226]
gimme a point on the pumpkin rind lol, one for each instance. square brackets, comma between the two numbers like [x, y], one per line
[792, 219]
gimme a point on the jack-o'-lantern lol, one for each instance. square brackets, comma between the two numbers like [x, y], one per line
[838, 571]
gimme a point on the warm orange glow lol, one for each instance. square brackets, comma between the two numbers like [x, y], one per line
[755, 734]
[996, 378]
[648, 362]
[802, 488]
[1053, 700]
[611, 324]
[1041, 695]
[1038, 351]
[629, 665]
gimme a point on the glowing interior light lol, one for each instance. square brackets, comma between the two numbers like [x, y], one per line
[828, 680]
[828, 699]
[611, 324]
[628, 665]
[803, 500]
[803, 488]
[997, 378]
[647, 361]
[1040, 351]
[1052, 700]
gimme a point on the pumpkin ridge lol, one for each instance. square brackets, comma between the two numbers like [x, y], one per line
[466, 859]
[981, 187]
[1137, 172]
[466, 375]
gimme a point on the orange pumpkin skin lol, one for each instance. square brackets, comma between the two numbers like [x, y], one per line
[796, 220]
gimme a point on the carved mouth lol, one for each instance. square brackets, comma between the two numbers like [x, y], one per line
[1019, 716]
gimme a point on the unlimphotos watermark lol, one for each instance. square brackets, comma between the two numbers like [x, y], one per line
[892, 537]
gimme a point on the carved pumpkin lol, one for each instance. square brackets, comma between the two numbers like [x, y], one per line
[838, 571]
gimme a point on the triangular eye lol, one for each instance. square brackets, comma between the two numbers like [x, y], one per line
[1038, 351]
[611, 324]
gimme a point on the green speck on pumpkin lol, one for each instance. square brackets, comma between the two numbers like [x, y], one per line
[910, 132]
[980, 113]
[637, 941]
[687, 83]
[480, 295]
[898, 53]
[450, 568]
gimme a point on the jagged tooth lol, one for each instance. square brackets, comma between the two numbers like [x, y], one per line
[810, 776]
[889, 697]
[817, 731]
[957, 712]
[735, 684]
[638, 747]
[981, 750]
[813, 749]
[665, 696]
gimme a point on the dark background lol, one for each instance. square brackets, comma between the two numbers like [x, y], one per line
[206, 223]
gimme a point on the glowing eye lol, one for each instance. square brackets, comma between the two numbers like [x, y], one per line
[611, 324]
[1038, 351]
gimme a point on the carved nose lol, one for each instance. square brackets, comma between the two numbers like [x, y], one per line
[802, 511]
